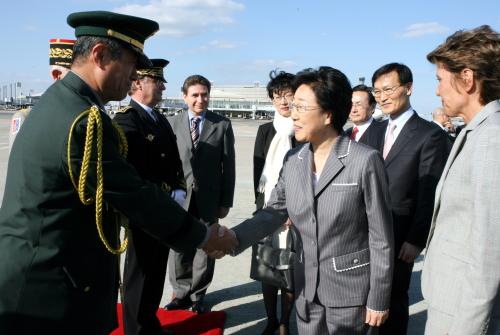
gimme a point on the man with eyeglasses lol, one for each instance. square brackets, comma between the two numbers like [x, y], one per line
[152, 150]
[365, 130]
[414, 151]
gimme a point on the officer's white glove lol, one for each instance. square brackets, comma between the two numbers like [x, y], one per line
[179, 196]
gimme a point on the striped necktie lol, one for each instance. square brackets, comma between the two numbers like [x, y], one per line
[195, 134]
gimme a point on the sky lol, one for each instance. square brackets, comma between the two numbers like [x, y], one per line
[239, 42]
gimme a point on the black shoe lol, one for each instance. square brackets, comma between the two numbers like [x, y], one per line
[176, 303]
[166, 332]
[271, 328]
[198, 307]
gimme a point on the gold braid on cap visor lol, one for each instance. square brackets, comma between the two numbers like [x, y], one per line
[152, 72]
[125, 38]
[60, 53]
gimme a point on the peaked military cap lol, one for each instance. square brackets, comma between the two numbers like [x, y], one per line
[154, 71]
[61, 52]
[132, 31]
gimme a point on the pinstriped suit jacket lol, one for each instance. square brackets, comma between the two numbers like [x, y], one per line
[345, 251]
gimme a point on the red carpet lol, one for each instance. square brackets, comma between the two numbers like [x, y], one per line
[184, 322]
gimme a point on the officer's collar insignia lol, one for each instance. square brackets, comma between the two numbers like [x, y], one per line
[150, 137]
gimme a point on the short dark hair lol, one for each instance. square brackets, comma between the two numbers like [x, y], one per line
[404, 73]
[84, 45]
[332, 90]
[367, 90]
[195, 79]
[280, 81]
[477, 49]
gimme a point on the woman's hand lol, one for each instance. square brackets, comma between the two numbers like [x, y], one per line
[375, 318]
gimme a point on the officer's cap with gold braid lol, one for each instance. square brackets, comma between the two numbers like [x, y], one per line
[132, 31]
[155, 71]
[60, 52]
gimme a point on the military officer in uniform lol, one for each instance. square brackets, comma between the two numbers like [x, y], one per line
[60, 53]
[67, 176]
[152, 150]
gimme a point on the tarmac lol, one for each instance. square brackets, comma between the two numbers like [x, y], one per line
[232, 290]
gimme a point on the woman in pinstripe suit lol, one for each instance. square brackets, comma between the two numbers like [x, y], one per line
[335, 192]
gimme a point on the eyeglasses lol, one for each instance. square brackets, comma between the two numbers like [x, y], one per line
[357, 104]
[287, 97]
[302, 108]
[388, 91]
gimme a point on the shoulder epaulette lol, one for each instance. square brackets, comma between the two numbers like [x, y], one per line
[124, 109]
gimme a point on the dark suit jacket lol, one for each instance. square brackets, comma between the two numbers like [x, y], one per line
[373, 134]
[414, 166]
[265, 135]
[210, 168]
[54, 271]
[152, 146]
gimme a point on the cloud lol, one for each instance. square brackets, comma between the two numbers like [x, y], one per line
[179, 18]
[220, 45]
[210, 46]
[424, 28]
[269, 64]
[30, 28]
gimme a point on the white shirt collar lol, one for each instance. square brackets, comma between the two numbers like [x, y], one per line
[362, 128]
[148, 109]
[400, 122]
[192, 115]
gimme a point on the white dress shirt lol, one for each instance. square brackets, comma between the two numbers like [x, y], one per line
[362, 128]
[147, 109]
[400, 122]
[191, 115]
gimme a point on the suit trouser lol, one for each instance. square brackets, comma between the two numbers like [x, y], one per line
[190, 273]
[397, 323]
[437, 322]
[334, 320]
[440, 323]
[144, 278]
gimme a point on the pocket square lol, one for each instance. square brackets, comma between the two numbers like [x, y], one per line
[345, 184]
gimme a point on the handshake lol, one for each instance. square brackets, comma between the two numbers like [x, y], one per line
[222, 241]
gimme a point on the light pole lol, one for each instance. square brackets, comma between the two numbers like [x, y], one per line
[18, 84]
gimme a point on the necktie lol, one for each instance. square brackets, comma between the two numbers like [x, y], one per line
[389, 140]
[153, 116]
[354, 132]
[195, 134]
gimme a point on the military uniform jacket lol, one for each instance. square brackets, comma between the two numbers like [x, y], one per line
[152, 146]
[15, 124]
[55, 273]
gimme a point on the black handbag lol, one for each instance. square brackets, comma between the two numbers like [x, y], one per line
[274, 266]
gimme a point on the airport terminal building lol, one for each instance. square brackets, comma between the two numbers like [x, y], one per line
[236, 101]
